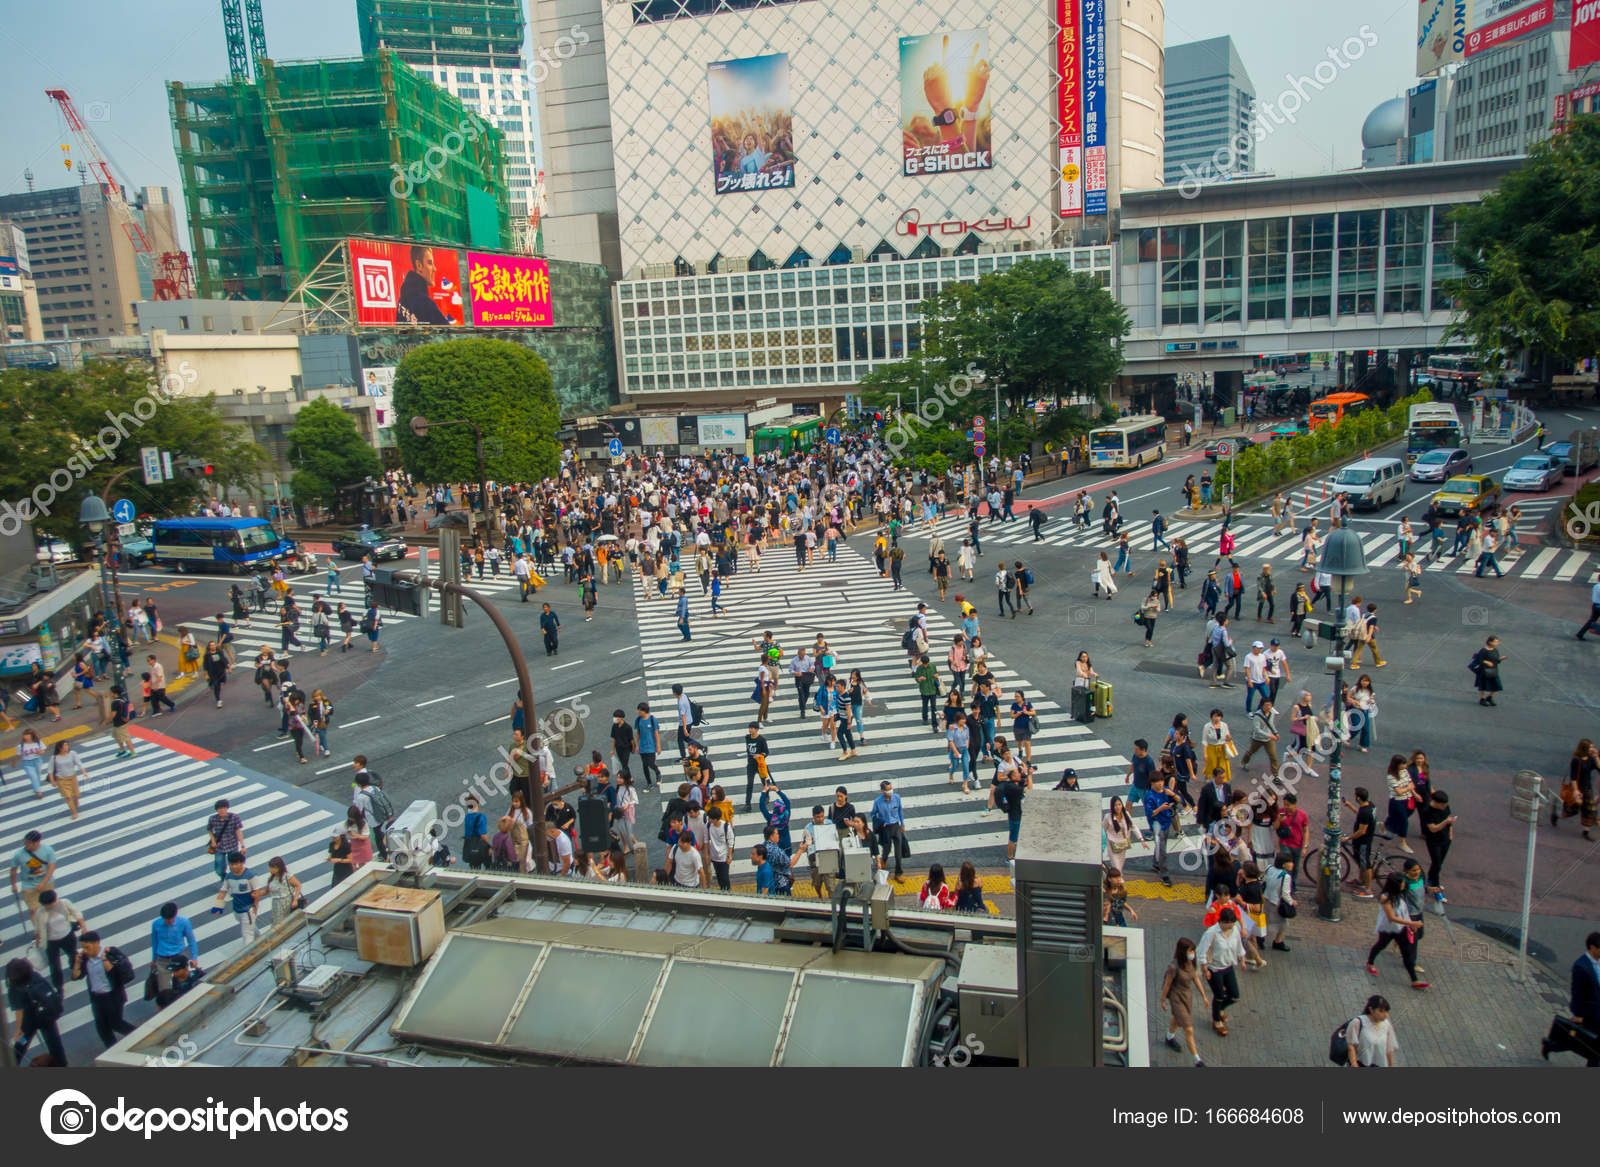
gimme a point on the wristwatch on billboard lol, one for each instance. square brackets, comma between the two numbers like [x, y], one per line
[947, 118]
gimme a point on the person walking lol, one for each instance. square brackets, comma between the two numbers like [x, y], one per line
[1593, 622]
[372, 625]
[1161, 808]
[550, 625]
[1369, 1037]
[241, 891]
[216, 666]
[648, 732]
[31, 754]
[1149, 609]
[1279, 892]
[1266, 594]
[1102, 577]
[56, 924]
[1486, 557]
[1366, 636]
[1396, 924]
[1179, 984]
[1022, 580]
[158, 687]
[1120, 833]
[1263, 735]
[889, 826]
[1578, 1033]
[107, 973]
[1216, 741]
[1438, 832]
[38, 1006]
[1485, 668]
[66, 770]
[1219, 957]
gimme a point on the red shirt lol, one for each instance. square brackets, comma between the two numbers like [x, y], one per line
[1296, 821]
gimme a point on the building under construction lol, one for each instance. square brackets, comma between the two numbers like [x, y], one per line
[278, 171]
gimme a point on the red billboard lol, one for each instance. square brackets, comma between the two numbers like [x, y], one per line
[405, 283]
[1510, 27]
[1585, 34]
[508, 291]
[1069, 106]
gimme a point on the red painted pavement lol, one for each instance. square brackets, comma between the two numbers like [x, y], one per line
[170, 743]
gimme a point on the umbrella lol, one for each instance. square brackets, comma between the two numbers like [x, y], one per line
[606, 539]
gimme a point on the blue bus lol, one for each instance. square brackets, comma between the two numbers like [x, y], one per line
[236, 545]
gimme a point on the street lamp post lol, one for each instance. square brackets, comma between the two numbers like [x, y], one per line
[421, 425]
[93, 515]
[1344, 560]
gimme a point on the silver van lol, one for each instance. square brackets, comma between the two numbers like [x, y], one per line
[1372, 482]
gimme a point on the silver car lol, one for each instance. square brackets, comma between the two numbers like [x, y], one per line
[1534, 472]
[1438, 465]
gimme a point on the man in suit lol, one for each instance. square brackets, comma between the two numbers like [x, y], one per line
[1214, 798]
[1580, 1034]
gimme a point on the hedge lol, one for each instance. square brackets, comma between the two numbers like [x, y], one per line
[1261, 468]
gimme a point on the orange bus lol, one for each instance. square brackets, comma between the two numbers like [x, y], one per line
[1335, 407]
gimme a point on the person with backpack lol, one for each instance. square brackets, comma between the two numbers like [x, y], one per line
[368, 797]
[1003, 583]
[37, 1004]
[1023, 579]
[107, 973]
[1367, 1039]
[372, 624]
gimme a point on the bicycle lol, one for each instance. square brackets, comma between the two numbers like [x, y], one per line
[1384, 863]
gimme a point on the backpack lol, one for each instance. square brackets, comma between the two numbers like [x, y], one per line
[45, 999]
[1027, 578]
[697, 713]
[1339, 1044]
[910, 636]
[122, 972]
[382, 808]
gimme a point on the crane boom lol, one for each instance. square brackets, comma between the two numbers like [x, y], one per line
[233, 30]
[258, 34]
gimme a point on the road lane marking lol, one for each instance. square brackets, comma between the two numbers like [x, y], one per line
[568, 665]
[274, 745]
[435, 701]
[630, 680]
[628, 648]
[423, 742]
[363, 721]
[497, 684]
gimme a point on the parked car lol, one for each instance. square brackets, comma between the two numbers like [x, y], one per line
[1240, 441]
[1575, 457]
[1467, 492]
[366, 541]
[1438, 465]
[1533, 472]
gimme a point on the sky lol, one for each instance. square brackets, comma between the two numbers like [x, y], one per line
[114, 58]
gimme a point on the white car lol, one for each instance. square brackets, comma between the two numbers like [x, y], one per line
[52, 550]
[1533, 472]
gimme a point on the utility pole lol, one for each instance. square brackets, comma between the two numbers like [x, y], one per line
[1527, 797]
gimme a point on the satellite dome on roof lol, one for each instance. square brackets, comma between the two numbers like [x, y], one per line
[1385, 125]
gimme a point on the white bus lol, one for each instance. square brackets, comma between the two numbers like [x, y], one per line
[1434, 425]
[1131, 441]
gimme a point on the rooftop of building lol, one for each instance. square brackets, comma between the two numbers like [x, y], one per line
[1204, 60]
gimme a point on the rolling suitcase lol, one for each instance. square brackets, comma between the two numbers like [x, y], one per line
[1082, 705]
[1102, 698]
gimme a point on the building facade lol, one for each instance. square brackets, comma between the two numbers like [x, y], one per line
[705, 135]
[84, 270]
[19, 298]
[1354, 262]
[1209, 111]
[472, 49]
[1503, 99]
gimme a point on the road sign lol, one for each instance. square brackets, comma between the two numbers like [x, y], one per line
[1224, 449]
[122, 511]
[977, 422]
[150, 459]
[978, 449]
[832, 434]
[166, 466]
[615, 446]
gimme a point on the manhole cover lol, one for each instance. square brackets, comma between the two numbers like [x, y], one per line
[830, 583]
[1164, 669]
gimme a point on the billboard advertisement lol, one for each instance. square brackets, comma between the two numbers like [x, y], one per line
[1585, 48]
[404, 283]
[721, 429]
[1441, 34]
[752, 126]
[378, 381]
[508, 291]
[1069, 107]
[658, 431]
[1094, 107]
[945, 119]
[1510, 27]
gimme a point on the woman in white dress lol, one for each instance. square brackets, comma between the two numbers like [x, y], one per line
[1103, 577]
[1121, 833]
[1371, 1035]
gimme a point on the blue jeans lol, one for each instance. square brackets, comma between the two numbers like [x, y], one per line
[962, 760]
[333, 583]
[1123, 560]
[1487, 562]
[855, 717]
[1160, 541]
[1257, 689]
[30, 767]
[1205, 495]
[833, 550]
[986, 734]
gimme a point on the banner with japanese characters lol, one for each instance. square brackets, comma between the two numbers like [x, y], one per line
[752, 126]
[508, 291]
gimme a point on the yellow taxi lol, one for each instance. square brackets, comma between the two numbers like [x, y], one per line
[1472, 493]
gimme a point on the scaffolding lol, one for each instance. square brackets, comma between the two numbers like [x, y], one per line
[278, 172]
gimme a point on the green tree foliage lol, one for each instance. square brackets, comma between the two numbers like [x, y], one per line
[1530, 254]
[68, 433]
[1040, 329]
[502, 387]
[328, 452]
[1261, 468]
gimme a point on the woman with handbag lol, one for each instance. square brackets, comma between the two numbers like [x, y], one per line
[1402, 801]
[1121, 832]
[1024, 724]
[188, 655]
[1579, 791]
[283, 890]
[1279, 892]
[1395, 923]
[66, 768]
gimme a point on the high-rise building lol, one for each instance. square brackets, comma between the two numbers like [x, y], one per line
[472, 49]
[1503, 99]
[279, 171]
[152, 206]
[1209, 116]
[19, 298]
[83, 262]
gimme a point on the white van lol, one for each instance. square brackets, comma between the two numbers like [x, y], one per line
[1372, 482]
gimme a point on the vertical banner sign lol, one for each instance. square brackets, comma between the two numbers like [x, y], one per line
[1069, 103]
[1585, 48]
[1560, 117]
[1094, 107]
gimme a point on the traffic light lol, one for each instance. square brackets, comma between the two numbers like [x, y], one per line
[206, 470]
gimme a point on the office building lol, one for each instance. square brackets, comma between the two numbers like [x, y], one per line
[19, 298]
[1209, 112]
[1504, 97]
[83, 264]
[472, 49]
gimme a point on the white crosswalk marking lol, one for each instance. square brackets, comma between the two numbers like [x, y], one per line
[1253, 540]
[140, 840]
[856, 611]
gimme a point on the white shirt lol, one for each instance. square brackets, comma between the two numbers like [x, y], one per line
[1374, 1041]
[1276, 659]
[719, 841]
[1255, 666]
[686, 866]
[560, 848]
[1220, 950]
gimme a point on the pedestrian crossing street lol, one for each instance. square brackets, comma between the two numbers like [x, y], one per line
[854, 609]
[1255, 540]
[139, 841]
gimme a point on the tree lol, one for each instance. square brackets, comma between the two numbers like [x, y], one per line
[502, 387]
[69, 433]
[1529, 254]
[328, 452]
[1038, 328]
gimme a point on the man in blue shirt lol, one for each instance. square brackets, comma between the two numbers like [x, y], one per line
[34, 865]
[777, 864]
[173, 951]
[889, 822]
[1160, 806]
[647, 730]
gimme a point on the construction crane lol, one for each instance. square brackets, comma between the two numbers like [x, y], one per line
[238, 24]
[172, 275]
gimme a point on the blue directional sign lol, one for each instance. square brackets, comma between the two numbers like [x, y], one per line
[122, 510]
[832, 434]
[615, 447]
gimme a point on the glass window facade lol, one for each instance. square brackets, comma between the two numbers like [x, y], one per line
[1405, 231]
[1223, 246]
[1358, 262]
[1312, 257]
[1268, 269]
[1180, 275]
[1444, 264]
